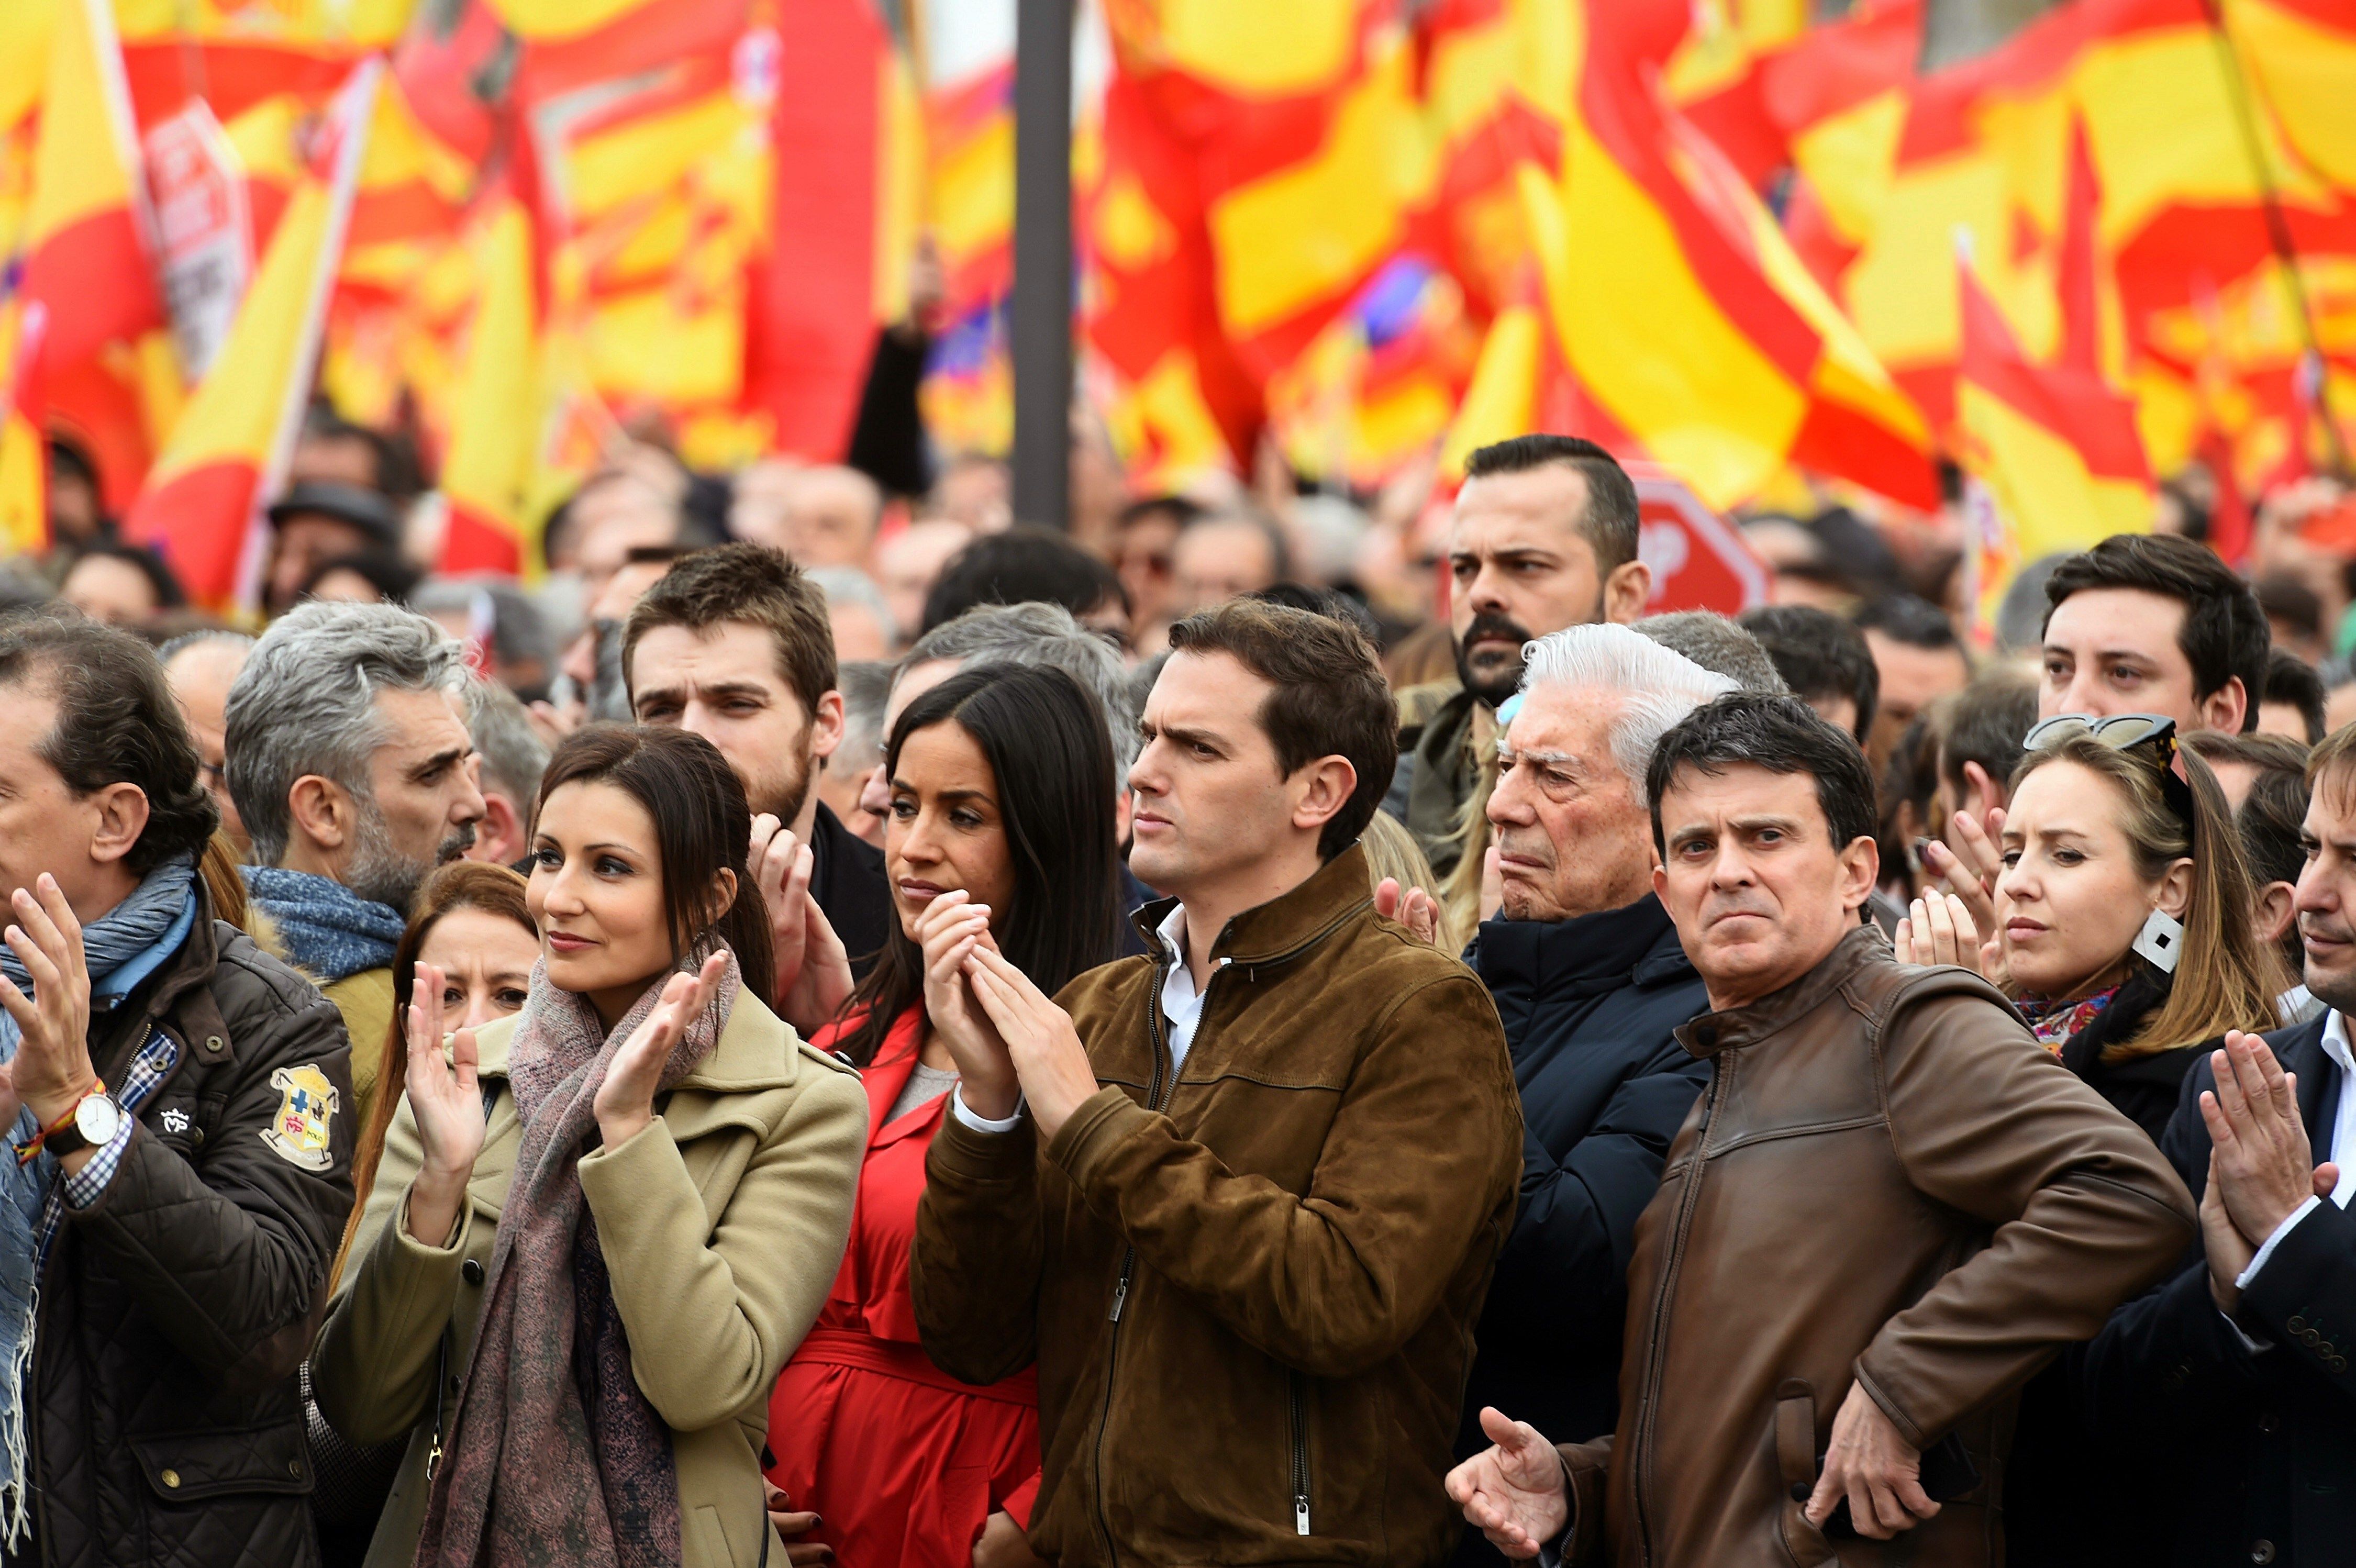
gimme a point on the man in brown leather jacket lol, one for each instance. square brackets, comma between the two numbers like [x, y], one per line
[1891, 1208]
[1238, 1201]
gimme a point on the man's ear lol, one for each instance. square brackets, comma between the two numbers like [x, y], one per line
[2274, 909]
[1626, 592]
[826, 725]
[322, 811]
[1321, 788]
[2225, 708]
[122, 818]
[1860, 873]
[499, 837]
[1982, 794]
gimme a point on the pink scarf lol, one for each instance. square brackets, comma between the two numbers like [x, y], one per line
[554, 1456]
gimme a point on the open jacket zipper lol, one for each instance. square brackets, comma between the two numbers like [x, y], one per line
[1159, 1093]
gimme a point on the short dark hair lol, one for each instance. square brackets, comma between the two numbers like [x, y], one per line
[2292, 679]
[750, 583]
[2285, 598]
[1916, 622]
[2274, 811]
[117, 722]
[392, 574]
[702, 826]
[1610, 524]
[1331, 603]
[1985, 723]
[2224, 636]
[1781, 734]
[1180, 510]
[1329, 699]
[1024, 565]
[1820, 656]
[160, 580]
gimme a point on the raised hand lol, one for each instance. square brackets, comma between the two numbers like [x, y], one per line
[2228, 1251]
[445, 1098]
[53, 1072]
[626, 1101]
[1875, 1469]
[951, 930]
[2264, 1165]
[1411, 907]
[1971, 875]
[1049, 1057]
[813, 971]
[1514, 1492]
[1937, 930]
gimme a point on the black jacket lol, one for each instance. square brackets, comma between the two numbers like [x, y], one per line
[2143, 1089]
[848, 881]
[1590, 1006]
[166, 1428]
[2230, 1456]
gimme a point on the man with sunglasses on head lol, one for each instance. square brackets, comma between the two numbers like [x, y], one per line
[2235, 1384]
[2144, 623]
[1891, 1208]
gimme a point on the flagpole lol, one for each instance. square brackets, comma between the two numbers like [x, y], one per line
[1041, 325]
[2239, 88]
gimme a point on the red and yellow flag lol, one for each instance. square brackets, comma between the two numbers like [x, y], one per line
[495, 411]
[203, 501]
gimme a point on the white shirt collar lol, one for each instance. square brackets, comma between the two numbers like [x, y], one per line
[2335, 1043]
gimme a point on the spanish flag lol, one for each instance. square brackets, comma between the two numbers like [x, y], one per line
[494, 415]
[204, 498]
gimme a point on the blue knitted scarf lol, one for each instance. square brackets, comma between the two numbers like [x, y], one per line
[329, 931]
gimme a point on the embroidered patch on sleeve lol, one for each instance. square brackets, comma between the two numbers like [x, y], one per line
[307, 1104]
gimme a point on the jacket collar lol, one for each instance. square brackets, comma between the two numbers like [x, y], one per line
[1286, 925]
[177, 989]
[1736, 1027]
[1635, 944]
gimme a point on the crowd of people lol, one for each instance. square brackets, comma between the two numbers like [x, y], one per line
[833, 1032]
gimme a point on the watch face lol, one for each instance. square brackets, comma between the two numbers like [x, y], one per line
[96, 1119]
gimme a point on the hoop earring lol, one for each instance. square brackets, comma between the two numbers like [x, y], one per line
[2161, 941]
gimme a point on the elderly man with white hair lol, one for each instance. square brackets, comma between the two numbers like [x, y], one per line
[1590, 983]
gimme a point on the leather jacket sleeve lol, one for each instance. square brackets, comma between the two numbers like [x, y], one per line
[229, 1251]
[1333, 1280]
[2083, 1211]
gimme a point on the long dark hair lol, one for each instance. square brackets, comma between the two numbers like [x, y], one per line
[1044, 738]
[702, 825]
[460, 885]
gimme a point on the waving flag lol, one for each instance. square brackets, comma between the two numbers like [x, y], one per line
[494, 423]
[228, 454]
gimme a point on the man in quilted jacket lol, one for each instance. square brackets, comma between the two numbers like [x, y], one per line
[178, 1104]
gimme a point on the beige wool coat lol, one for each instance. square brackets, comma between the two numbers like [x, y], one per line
[722, 1225]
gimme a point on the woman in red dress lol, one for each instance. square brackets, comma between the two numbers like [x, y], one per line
[1002, 832]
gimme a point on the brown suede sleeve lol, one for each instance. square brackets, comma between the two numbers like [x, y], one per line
[2085, 1211]
[1422, 1154]
[975, 1269]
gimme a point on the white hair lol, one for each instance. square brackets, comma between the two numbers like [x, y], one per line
[1657, 687]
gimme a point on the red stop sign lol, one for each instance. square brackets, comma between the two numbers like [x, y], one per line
[1699, 558]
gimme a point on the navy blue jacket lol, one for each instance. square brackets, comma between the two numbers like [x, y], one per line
[2222, 1455]
[1589, 1007]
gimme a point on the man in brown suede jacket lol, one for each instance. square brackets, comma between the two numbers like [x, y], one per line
[1891, 1208]
[1240, 1200]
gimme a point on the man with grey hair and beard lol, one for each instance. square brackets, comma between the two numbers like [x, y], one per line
[1592, 983]
[352, 765]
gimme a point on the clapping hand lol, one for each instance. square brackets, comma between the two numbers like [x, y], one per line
[951, 930]
[1939, 929]
[446, 1099]
[813, 971]
[626, 1101]
[1514, 1492]
[1049, 1057]
[51, 1071]
[1968, 869]
[1411, 907]
[2260, 1163]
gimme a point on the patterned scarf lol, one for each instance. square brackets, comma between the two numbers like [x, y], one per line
[554, 1456]
[2054, 1023]
[122, 948]
[330, 932]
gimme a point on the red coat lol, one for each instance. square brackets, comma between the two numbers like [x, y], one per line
[901, 1462]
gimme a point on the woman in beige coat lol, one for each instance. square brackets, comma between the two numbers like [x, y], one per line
[601, 1226]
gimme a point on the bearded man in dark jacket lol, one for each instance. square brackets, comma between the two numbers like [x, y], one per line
[1590, 984]
[179, 1105]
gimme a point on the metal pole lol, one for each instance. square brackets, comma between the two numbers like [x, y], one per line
[1041, 329]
